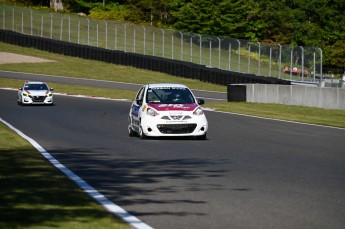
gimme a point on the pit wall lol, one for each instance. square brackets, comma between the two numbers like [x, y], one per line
[328, 98]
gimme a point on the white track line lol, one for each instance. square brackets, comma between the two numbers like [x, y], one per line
[101, 199]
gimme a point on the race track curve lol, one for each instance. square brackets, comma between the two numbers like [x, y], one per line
[249, 173]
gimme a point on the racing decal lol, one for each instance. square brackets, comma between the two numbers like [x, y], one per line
[174, 107]
[135, 110]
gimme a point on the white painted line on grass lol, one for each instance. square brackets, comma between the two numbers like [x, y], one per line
[101, 199]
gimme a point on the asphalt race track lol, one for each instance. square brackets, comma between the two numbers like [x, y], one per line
[207, 95]
[249, 173]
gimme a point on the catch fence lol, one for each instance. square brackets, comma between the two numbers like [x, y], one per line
[294, 63]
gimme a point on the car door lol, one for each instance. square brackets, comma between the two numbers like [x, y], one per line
[135, 109]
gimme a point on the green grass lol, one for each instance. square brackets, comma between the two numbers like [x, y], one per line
[81, 68]
[311, 115]
[34, 194]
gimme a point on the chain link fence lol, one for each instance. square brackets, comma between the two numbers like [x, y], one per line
[281, 61]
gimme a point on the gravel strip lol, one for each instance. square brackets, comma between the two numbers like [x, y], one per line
[12, 58]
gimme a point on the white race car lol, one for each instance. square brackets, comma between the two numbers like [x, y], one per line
[35, 93]
[166, 110]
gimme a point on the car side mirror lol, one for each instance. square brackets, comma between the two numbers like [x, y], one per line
[201, 101]
[52, 89]
[20, 89]
[139, 102]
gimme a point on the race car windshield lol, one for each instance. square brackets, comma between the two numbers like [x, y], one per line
[36, 87]
[169, 95]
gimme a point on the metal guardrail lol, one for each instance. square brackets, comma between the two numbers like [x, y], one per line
[294, 63]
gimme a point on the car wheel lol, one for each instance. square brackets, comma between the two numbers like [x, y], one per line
[201, 137]
[131, 133]
[142, 134]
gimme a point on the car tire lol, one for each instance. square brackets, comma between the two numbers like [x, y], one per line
[142, 134]
[201, 137]
[131, 132]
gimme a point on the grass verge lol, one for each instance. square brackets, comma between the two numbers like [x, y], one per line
[34, 194]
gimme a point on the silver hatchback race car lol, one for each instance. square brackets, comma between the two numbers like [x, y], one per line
[35, 93]
[161, 110]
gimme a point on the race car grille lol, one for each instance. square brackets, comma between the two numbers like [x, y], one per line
[38, 98]
[176, 128]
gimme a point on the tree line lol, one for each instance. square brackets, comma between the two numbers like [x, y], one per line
[318, 23]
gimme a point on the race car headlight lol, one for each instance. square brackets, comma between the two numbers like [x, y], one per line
[151, 112]
[198, 112]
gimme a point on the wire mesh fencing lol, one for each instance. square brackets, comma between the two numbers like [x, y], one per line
[294, 63]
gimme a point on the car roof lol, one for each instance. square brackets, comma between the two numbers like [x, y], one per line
[34, 82]
[166, 85]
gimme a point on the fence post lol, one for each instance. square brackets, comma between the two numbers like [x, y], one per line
[191, 49]
[12, 19]
[31, 22]
[200, 49]
[181, 44]
[69, 29]
[314, 67]
[259, 58]
[248, 58]
[219, 44]
[172, 46]
[51, 25]
[115, 39]
[210, 54]
[22, 22]
[106, 35]
[280, 61]
[302, 54]
[163, 43]
[42, 27]
[78, 32]
[88, 31]
[270, 67]
[134, 41]
[3, 18]
[291, 59]
[229, 56]
[153, 43]
[239, 56]
[97, 34]
[144, 40]
[321, 77]
[61, 26]
[125, 38]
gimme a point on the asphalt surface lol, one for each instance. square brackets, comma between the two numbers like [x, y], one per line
[207, 95]
[249, 173]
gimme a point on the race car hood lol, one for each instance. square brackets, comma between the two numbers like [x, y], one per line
[37, 93]
[174, 107]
